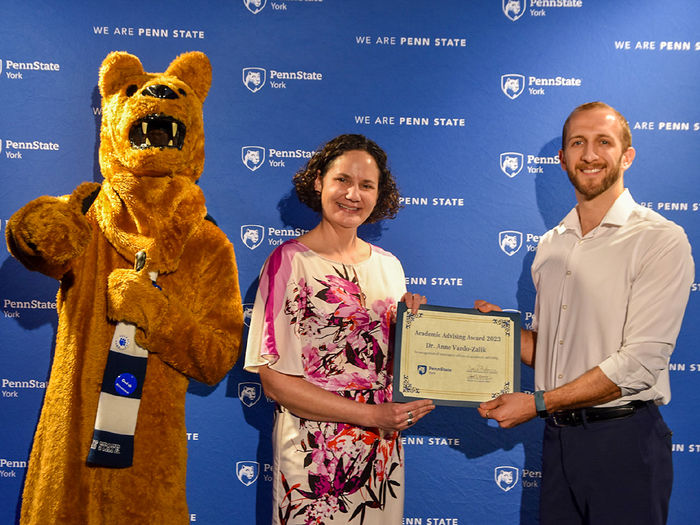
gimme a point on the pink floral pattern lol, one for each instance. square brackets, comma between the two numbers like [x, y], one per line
[345, 351]
[334, 473]
[342, 460]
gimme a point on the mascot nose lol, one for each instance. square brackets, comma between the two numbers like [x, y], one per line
[159, 91]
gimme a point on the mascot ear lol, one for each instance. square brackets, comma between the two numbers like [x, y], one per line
[193, 69]
[116, 68]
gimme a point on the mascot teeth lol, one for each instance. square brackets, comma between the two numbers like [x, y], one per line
[157, 131]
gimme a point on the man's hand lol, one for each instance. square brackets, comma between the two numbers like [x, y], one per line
[528, 338]
[509, 410]
[486, 307]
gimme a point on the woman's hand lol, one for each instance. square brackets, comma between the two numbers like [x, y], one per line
[413, 301]
[394, 417]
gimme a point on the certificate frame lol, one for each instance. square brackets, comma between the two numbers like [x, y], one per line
[442, 353]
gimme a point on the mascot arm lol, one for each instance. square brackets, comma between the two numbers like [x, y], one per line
[199, 332]
[48, 233]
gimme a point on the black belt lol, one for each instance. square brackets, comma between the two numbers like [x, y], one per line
[577, 416]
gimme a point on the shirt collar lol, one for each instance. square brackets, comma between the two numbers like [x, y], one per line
[617, 215]
[620, 211]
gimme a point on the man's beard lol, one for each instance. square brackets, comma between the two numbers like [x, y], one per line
[591, 190]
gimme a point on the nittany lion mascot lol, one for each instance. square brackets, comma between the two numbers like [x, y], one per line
[111, 444]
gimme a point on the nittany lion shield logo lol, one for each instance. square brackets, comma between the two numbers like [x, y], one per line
[506, 477]
[254, 78]
[247, 313]
[123, 342]
[510, 241]
[512, 85]
[422, 369]
[252, 235]
[249, 393]
[255, 6]
[247, 472]
[253, 157]
[511, 163]
[514, 9]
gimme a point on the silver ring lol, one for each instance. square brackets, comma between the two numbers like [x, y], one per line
[410, 415]
[409, 421]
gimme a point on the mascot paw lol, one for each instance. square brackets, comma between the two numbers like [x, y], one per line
[133, 298]
[49, 232]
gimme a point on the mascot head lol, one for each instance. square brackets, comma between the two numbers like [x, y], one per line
[152, 122]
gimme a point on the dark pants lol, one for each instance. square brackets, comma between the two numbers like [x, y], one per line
[614, 472]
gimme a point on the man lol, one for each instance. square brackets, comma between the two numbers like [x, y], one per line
[612, 281]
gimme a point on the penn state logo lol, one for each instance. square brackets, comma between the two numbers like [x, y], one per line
[247, 313]
[254, 6]
[506, 477]
[123, 342]
[511, 163]
[510, 241]
[513, 9]
[249, 393]
[512, 85]
[247, 472]
[253, 157]
[422, 369]
[254, 78]
[252, 235]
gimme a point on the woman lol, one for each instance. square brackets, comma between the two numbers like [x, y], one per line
[319, 338]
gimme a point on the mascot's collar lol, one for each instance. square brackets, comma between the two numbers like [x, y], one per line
[156, 214]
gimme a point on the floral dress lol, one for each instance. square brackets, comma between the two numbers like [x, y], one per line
[330, 323]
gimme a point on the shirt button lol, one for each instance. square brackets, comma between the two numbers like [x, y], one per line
[561, 341]
[568, 272]
[560, 376]
[563, 307]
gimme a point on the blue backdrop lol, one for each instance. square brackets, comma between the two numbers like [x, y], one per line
[466, 96]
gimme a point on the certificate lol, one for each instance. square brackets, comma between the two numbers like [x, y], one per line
[455, 356]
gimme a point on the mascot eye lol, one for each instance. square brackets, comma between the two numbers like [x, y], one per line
[182, 92]
[131, 90]
[159, 91]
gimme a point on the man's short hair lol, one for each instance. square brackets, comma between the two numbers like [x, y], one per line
[625, 135]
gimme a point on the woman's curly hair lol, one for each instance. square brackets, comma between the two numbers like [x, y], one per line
[388, 194]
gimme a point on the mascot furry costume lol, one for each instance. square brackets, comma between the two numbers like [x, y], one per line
[189, 320]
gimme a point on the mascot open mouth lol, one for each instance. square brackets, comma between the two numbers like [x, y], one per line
[157, 131]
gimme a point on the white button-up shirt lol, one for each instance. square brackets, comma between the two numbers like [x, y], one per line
[613, 298]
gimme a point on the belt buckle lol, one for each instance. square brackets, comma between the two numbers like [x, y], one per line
[567, 418]
[555, 420]
[561, 419]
